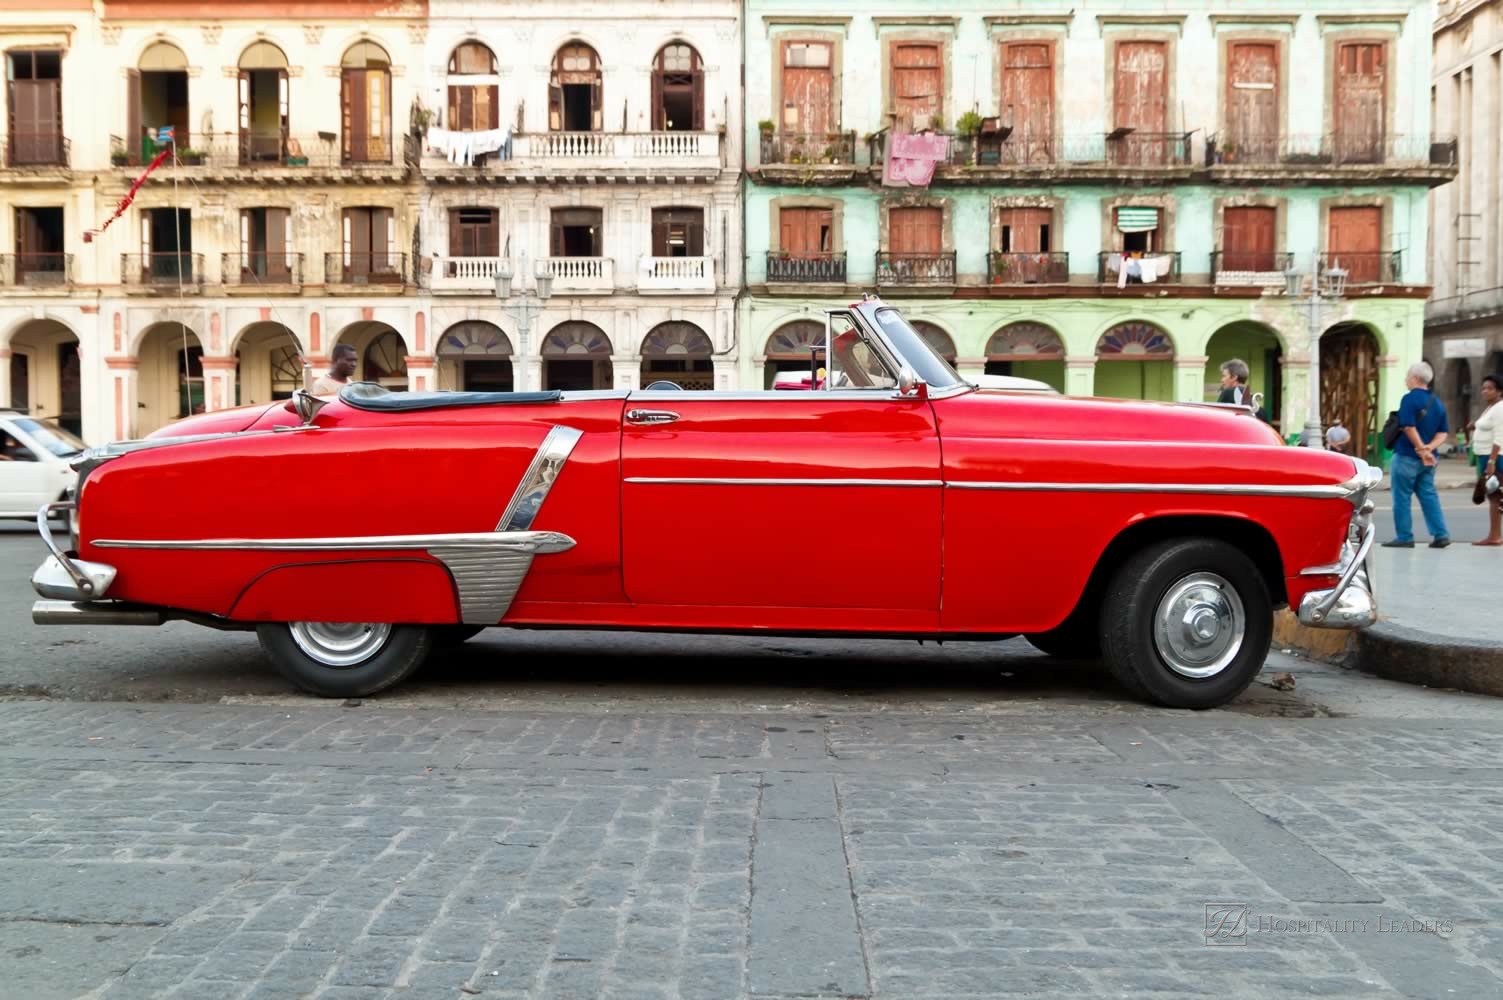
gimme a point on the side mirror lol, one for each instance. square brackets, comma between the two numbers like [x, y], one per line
[909, 384]
[307, 405]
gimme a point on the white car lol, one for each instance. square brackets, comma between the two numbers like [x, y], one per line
[34, 457]
[1010, 382]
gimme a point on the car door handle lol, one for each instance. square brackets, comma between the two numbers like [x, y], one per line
[650, 416]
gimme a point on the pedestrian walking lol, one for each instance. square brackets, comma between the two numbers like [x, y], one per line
[1422, 429]
[341, 367]
[1487, 441]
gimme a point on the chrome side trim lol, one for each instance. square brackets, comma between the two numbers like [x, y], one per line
[539, 478]
[696, 481]
[1312, 492]
[530, 541]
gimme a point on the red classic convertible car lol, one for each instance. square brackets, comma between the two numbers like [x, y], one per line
[355, 535]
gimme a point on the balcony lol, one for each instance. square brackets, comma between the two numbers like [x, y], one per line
[806, 269]
[1111, 264]
[1378, 268]
[247, 155]
[36, 149]
[386, 271]
[1129, 148]
[915, 269]
[1249, 268]
[1485, 303]
[162, 273]
[465, 274]
[1027, 268]
[809, 148]
[260, 270]
[676, 274]
[1331, 156]
[991, 158]
[566, 156]
[36, 270]
[580, 275]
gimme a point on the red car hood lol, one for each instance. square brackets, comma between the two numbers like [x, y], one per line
[221, 421]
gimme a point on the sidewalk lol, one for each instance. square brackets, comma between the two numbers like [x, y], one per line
[1451, 474]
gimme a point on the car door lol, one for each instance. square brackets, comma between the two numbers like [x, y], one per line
[25, 476]
[800, 501]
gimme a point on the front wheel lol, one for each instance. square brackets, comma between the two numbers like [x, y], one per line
[344, 659]
[1187, 623]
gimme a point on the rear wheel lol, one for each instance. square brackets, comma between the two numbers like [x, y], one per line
[1187, 623]
[344, 659]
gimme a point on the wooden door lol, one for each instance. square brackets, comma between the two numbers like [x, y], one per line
[133, 138]
[915, 231]
[35, 122]
[29, 243]
[1349, 384]
[1252, 103]
[1028, 100]
[1025, 230]
[678, 232]
[808, 89]
[474, 108]
[1354, 242]
[1247, 239]
[917, 86]
[1141, 102]
[1361, 88]
[366, 95]
[473, 232]
[278, 240]
[806, 232]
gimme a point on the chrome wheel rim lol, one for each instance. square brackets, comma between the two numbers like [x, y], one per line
[340, 644]
[1199, 626]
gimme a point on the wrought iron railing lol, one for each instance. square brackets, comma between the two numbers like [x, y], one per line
[37, 149]
[983, 149]
[815, 148]
[1330, 149]
[1362, 268]
[1147, 149]
[806, 268]
[261, 268]
[1250, 267]
[1110, 264]
[1027, 268]
[34, 270]
[250, 149]
[162, 270]
[365, 268]
[915, 268]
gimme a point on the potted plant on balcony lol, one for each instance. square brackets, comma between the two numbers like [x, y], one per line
[119, 158]
[190, 157]
[967, 128]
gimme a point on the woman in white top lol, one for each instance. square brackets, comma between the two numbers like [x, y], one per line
[1487, 442]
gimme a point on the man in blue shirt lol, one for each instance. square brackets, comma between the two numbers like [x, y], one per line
[1423, 428]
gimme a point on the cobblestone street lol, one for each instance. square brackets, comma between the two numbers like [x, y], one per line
[789, 845]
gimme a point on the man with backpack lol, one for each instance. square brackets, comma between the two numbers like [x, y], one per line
[1422, 427]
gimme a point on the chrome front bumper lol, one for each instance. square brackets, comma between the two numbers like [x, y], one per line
[73, 589]
[1350, 604]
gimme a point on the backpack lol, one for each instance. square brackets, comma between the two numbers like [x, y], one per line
[1391, 429]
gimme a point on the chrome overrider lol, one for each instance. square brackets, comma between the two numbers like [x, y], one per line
[1350, 604]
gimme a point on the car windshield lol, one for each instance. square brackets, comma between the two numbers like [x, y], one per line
[912, 348]
[50, 436]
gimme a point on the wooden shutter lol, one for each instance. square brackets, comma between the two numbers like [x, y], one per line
[454, 122]
[457, 232]
[917, 86]
[805, 231]
[808, 89]
[660, 223]
[1025, 230]
[1252, 102]
[278, 263]
[659, 116]
[245, 108]
[915, 230]
[1247, 239]
[492, 96]
[1354, 241]
[694, 233]
[353, 113]
[1361, 88]
[1140, 100]
[357, 241]
[1028, 98]
[133, 116]
[597, 107]
[556, 235]
[555, 108]
[698, 123]
[378, 114]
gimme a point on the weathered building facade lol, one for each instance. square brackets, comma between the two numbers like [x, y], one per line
[1464, 319]
[1201, 148]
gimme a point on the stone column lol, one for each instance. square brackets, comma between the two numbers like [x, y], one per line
[1190, 379]
[726, 374]
[4, 378]
[1080, 375]
[527, 372]
[625, 374]
[1296, 392]
[421, 372]
[124, 381]
[219, 383]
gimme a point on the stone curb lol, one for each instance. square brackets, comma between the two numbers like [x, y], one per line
[1399, 653]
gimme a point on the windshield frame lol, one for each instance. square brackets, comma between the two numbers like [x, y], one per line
[54, 440]
[909, 348]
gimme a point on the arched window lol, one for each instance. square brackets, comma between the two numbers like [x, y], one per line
[576, 356]
[157, 102]
[1024, 341]
[574, 101]
[678, 352]
[264, 104]
[162, 57]
[480, 354]
[1132, 362]
[678, 89]
[937, 339]
[474, 337]
[1135, 342]
[386, 361]
[365, 97]
[474, 105]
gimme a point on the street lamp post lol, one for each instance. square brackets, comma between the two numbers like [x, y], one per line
[1324, 291]
[529, 301]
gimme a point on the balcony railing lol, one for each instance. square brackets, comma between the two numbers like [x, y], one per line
[465, 274]
[806, 268]
[1379, 268]
[1479, 304]
[915, 268]
[677, 274]
[1330, 150]
[1027, 268]
[1250, 268]
[256, 269]
[162, 271]
[251, 150]
[612, 148]
[580, 274]
[365, 269]
[1111, 264]
[1027, 150]
[1148, 149]
[809, 148]
[36, 270]
[37, 149]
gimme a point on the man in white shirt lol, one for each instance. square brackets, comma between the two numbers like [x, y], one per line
[340, 369]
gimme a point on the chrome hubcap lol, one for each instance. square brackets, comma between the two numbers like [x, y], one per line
[340, 644]
[1199, 626]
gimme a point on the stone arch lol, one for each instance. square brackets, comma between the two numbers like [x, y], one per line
[470, 53]
[678, 87]
[576, 355]
[1134, 360]
[171, 381]
[936, 337]
[365, 53]
[1027, 349]
[575, 82]
[679, 352]
[263, 54]
[788, 348]
[1352, 382]
[387, 364]
[162, 55]
[1262, 348]
[44, 376]
[268, 362]
[476, 356]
